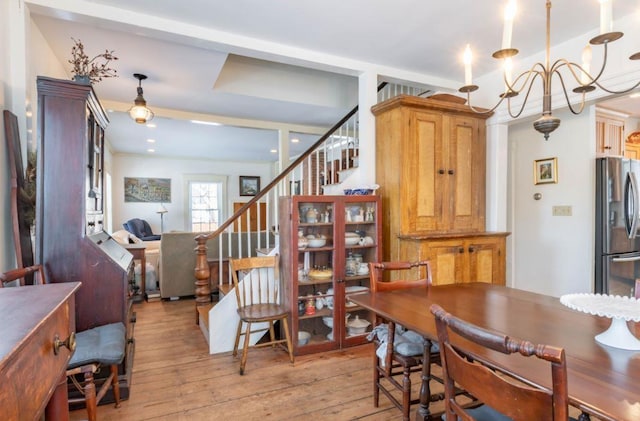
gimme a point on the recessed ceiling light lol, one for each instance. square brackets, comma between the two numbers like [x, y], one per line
[151, 125]
[295, 140]
[29, 114]
[151, 150]
[208, 123]
[636, 95]
[274, 151]
[151, 140]
[109, 110]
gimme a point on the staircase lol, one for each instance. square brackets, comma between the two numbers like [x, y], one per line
[322, 169]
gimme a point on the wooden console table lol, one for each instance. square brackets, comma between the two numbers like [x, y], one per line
[139, 253]
[32, 375]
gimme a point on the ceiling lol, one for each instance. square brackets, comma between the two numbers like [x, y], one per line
[259, 66]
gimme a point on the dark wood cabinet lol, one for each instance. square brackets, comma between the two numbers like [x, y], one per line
[319, 274]
[70, 240]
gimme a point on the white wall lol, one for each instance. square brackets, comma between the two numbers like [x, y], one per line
[6, 249]
[175, 169]
[549, 254]
[24, 55]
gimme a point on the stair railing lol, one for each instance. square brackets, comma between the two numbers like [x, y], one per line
[322, 164]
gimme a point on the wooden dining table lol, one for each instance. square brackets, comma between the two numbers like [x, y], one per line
[602, 381]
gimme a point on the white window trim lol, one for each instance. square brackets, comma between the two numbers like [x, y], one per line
[206, 178]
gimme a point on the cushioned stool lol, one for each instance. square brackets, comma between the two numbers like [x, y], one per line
[100, 346]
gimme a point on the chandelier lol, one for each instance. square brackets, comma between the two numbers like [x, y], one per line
[139, 112]
[545, 71]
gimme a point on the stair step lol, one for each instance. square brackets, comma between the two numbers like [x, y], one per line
[203, 315]
[225, 289]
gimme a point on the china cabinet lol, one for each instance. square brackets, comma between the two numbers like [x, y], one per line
[326, 243]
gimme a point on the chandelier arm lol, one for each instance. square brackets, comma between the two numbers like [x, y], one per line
[604, 64]
[566, 95]
[624, 91]
[477, 111]
[571, 66]
[532, 72]
[526, 97]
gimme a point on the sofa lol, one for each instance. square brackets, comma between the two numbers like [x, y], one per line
[178, 257]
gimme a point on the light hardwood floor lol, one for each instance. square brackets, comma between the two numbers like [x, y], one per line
[175, 378]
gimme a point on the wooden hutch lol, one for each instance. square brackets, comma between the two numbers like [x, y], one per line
[430, 164]
[70, 240]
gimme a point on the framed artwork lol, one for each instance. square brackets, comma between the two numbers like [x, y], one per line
[249, 185]
[137, 189]
[545, 171]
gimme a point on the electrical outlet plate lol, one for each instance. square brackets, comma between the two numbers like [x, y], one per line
[562, 211]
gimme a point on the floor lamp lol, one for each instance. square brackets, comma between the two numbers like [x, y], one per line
[162, 210]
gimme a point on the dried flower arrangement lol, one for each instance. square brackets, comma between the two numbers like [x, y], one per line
[91, 68]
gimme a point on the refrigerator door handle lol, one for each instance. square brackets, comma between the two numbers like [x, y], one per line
[631, 205]
[625, 259]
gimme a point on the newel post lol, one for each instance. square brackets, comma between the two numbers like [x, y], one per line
[203, 290]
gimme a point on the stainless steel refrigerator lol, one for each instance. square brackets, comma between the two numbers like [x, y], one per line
[617, 251]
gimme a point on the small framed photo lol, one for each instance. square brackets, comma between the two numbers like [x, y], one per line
[545, 171]
[249, 185]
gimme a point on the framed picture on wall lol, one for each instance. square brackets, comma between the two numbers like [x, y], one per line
[249, 185]
[545, 171]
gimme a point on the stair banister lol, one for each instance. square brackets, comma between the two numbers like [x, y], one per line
[202, 288]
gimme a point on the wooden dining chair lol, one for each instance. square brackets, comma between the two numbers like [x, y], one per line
[503, 397]
[258, 288]
[91, 350]
[401, 356]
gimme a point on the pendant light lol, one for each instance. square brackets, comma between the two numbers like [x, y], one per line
[139, 112]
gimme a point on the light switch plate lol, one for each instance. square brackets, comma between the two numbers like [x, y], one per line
[562, 211]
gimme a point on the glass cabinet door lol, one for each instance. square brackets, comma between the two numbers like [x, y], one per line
[360, 247]
[315, 286]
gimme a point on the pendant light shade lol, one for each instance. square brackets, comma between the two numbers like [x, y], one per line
[139, 112]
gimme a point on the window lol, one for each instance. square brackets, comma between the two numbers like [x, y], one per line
[205, 202]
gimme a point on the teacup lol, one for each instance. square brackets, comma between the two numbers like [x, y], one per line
[363, 269]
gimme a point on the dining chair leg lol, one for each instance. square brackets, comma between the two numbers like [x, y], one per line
[406, 393]
[376, 381]
[89, 390]
[245, 348]
[272, 334]
[287, 336]
[115, 385]
[238, 333]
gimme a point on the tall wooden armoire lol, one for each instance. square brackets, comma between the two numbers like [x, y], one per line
[430, 164]
[70, 240]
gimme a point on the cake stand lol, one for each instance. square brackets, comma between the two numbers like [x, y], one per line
[619, 309]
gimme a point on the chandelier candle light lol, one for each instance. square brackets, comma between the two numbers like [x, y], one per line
[545, 71]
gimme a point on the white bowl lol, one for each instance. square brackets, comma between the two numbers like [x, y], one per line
[363, 270]
[328, 320]
[317, 242]
[351, 241]
[357, 326]
[303, 338]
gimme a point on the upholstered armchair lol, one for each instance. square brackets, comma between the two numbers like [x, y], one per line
[141, 229]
